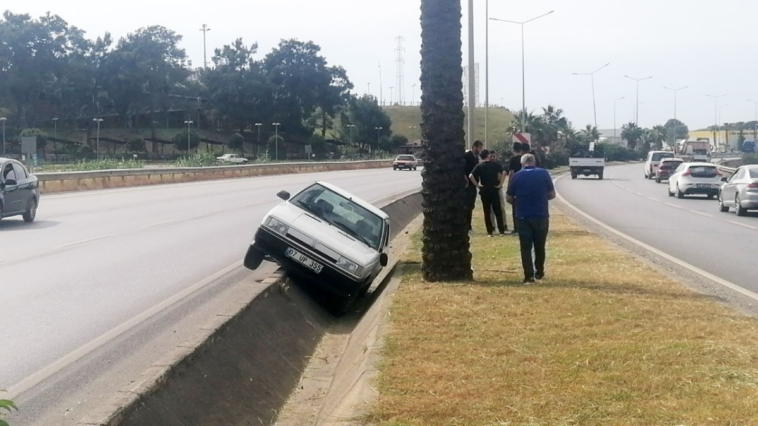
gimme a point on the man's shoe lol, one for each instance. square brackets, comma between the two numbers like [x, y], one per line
[514, 232]
[539, 275]
[528, 281]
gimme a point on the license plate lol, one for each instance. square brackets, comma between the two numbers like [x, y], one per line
[304, 260]
[703, 185]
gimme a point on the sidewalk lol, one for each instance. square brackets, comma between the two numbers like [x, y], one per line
[603, 340]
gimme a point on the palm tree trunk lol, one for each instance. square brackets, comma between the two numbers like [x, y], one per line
[446, 255]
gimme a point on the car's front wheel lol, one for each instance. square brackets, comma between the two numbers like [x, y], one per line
[722, 208]
[253, 258]
[741, 211]
[31, 211]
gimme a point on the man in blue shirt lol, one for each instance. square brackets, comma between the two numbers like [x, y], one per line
[529, 192]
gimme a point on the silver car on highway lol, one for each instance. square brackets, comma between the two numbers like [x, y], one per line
[740, 191]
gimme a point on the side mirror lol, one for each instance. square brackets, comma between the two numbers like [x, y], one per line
[723, 179]
[284, 195]
[384, 260]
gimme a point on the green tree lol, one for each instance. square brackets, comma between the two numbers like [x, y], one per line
[445, 252]
[658, 136]
[675, 130]
[180, 140]
[237, 143]
[276, 149]
[590, 133]
[632, 134]
[366, 115]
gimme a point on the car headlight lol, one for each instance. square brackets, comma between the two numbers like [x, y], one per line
[277, 226]
[349, 266]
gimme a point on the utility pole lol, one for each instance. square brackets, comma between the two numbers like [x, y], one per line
[471, 77]
[205, 30]
[258, 145]
[400, 70]
[189, 134]
[637, 106]
[486, 71]
[381, 86]
[276, 141]
[391, 95]
[716, 118]
[675, 96]
[97, 143]
[3, 120]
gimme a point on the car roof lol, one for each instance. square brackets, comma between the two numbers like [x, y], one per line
[368, 206]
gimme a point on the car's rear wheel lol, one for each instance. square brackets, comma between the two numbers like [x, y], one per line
[31, 211]
[657, 180]
[722, 208]
[600, 175]
[679, 193]
[253, 258]
[741, 211]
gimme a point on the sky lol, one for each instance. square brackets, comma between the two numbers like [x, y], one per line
[705, 45]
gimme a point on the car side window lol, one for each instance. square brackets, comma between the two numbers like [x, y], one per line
[679, 169]
[20, 171]
[8, 172]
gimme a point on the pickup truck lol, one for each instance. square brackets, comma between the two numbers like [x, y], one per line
[587, 162]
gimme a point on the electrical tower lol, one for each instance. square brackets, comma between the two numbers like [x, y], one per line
[400, 50]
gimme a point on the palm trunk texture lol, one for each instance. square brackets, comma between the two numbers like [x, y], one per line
[446, 255]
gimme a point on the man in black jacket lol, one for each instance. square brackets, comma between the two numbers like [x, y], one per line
[472, 160]
[488, 177]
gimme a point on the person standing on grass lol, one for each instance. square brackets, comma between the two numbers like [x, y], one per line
[526, 149]
[489, 177]
[529, 192]
[514, 166]
[493, 217]
[472, 160]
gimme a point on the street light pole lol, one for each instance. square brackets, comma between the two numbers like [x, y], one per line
[523, 66]
[675, 96]
[614, 115]
[716, 117]
[378, 133]
[205, 30]
[592, 76]
[755, 123]
[97, 143]
[276, 140]
[189, 124]
[258, 146]
[471, 77]
[3, 120]
[637, 106]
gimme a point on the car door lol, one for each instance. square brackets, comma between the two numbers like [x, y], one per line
[11, 197]
[675, 176]
[25, 185]
[731, 187]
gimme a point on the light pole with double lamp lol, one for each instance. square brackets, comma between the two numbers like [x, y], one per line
[592, 76]
[97, 143]
[276, 140]
[637, 107]
[189, 128]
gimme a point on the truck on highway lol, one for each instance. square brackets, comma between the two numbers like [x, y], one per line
[695, 151]
[587, 161]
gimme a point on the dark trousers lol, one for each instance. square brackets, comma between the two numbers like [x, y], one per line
[490, 202]
[533, 234]
[470, 204]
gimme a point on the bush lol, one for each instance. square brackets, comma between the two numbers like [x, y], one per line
[201, 159]
[237, 143]
[273, 146]
[750, 159]
[620, 153]
[180, 140]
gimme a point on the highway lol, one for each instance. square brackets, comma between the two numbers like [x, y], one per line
[690, 229]
[89, 291]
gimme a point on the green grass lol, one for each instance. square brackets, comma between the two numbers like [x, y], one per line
[405, 117]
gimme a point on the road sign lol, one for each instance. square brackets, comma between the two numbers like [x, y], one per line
[522, 138]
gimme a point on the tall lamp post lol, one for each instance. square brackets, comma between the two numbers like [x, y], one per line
[716, 117]
[726, 131]
[3, 120]
[97, 143]
[523, 67]
[205, 30]
[378, 133]
[189, 128]
[676, 91]
[755, 123]
[592, 76]
[413, 98]
[276, 140]
[614, 114]
[351, 127]
[637, 106]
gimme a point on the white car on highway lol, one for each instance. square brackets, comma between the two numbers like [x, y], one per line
[653, 160]
[232, 158]
[327, 237]
[740, 191]
[695, 179]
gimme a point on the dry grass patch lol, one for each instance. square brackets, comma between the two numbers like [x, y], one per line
[604, 340]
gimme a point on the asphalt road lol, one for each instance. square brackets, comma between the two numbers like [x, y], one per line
[691, 229]
[79, 287]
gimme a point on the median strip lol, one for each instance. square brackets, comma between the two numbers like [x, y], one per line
[604, 340]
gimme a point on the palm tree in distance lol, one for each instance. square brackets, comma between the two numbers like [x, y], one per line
[590, 133]
[632, 134]
[445, 252]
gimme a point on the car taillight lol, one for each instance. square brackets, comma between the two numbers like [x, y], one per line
[687, 173]
[753, 186]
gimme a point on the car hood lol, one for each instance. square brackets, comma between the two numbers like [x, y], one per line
[322, 236]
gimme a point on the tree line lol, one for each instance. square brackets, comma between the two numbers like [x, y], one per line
[50, 71]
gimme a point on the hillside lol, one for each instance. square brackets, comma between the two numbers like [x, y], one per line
[405, 117]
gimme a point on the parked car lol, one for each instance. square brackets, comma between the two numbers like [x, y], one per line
[407, 162]
[653, 160]
[19, 191]
[232, 158]
[666, 168]
[740, 191]
[328, 237]
[695, 178]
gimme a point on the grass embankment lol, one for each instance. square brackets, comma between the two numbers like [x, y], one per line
[604, 340]
[405, 117]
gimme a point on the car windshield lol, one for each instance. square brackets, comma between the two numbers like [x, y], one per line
[658, 156]
[343, 213]
[405, 158]
[703, 171]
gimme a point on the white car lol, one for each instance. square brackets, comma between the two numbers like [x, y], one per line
[232, 158]
[653, 160]
[695, 178]
[327, 237]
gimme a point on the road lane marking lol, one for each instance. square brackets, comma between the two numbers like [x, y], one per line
[675, 206]
[660, 253]
[34, 379]
[742, 224]
[654, 199]
[640, 194]
[84, 241]
[159, 224]
[701, 213]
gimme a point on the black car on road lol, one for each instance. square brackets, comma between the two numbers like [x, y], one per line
[19, 191]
